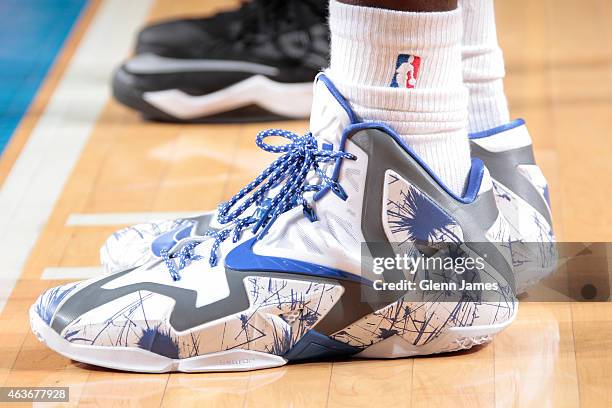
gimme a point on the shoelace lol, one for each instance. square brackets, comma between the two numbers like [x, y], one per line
[291, 171]
[185, 256]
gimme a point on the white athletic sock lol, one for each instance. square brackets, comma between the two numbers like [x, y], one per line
[483, 66]
[404, 69]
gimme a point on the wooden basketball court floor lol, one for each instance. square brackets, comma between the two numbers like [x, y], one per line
[81, 166]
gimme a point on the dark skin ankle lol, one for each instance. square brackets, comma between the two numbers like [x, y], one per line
[407, 5]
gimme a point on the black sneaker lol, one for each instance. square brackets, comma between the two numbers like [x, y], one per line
[192, 37]
[254, 64]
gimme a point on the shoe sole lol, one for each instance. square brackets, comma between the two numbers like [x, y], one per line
[139, 360]
[255, 99]
[453, 339]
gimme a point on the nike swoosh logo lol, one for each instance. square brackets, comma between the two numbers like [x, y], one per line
[242, 258]
[169, 239]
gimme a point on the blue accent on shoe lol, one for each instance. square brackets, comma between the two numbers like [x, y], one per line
[242, 258]
[168, 240]
[314, 345]
[184, 232]
[486, 133]
[339, 98]
[474, 179]
[159, 341]
[420, 218]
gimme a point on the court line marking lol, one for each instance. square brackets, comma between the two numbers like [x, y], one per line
[72, 272]
[37, 179]
[123, 218]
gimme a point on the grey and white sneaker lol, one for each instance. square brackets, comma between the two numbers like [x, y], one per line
[303, 283]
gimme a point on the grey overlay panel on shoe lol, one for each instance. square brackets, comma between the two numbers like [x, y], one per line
[502, 166]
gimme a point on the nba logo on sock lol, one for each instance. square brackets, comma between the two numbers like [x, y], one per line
[406, 71]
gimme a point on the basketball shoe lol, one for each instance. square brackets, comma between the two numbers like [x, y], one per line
[260, 67]
[521, 193]
[520, 189]
[300, 285]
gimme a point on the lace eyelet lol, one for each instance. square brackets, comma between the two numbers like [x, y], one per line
[301, 157]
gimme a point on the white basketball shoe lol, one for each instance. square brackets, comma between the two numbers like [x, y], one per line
[299, 278]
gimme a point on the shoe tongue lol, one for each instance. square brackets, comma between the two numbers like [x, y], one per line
[330, 113]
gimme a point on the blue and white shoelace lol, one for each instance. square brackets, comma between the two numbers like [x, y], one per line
[291, 171]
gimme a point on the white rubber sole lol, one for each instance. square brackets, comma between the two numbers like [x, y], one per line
[291, 100]
[139, 360]
[453, 339]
